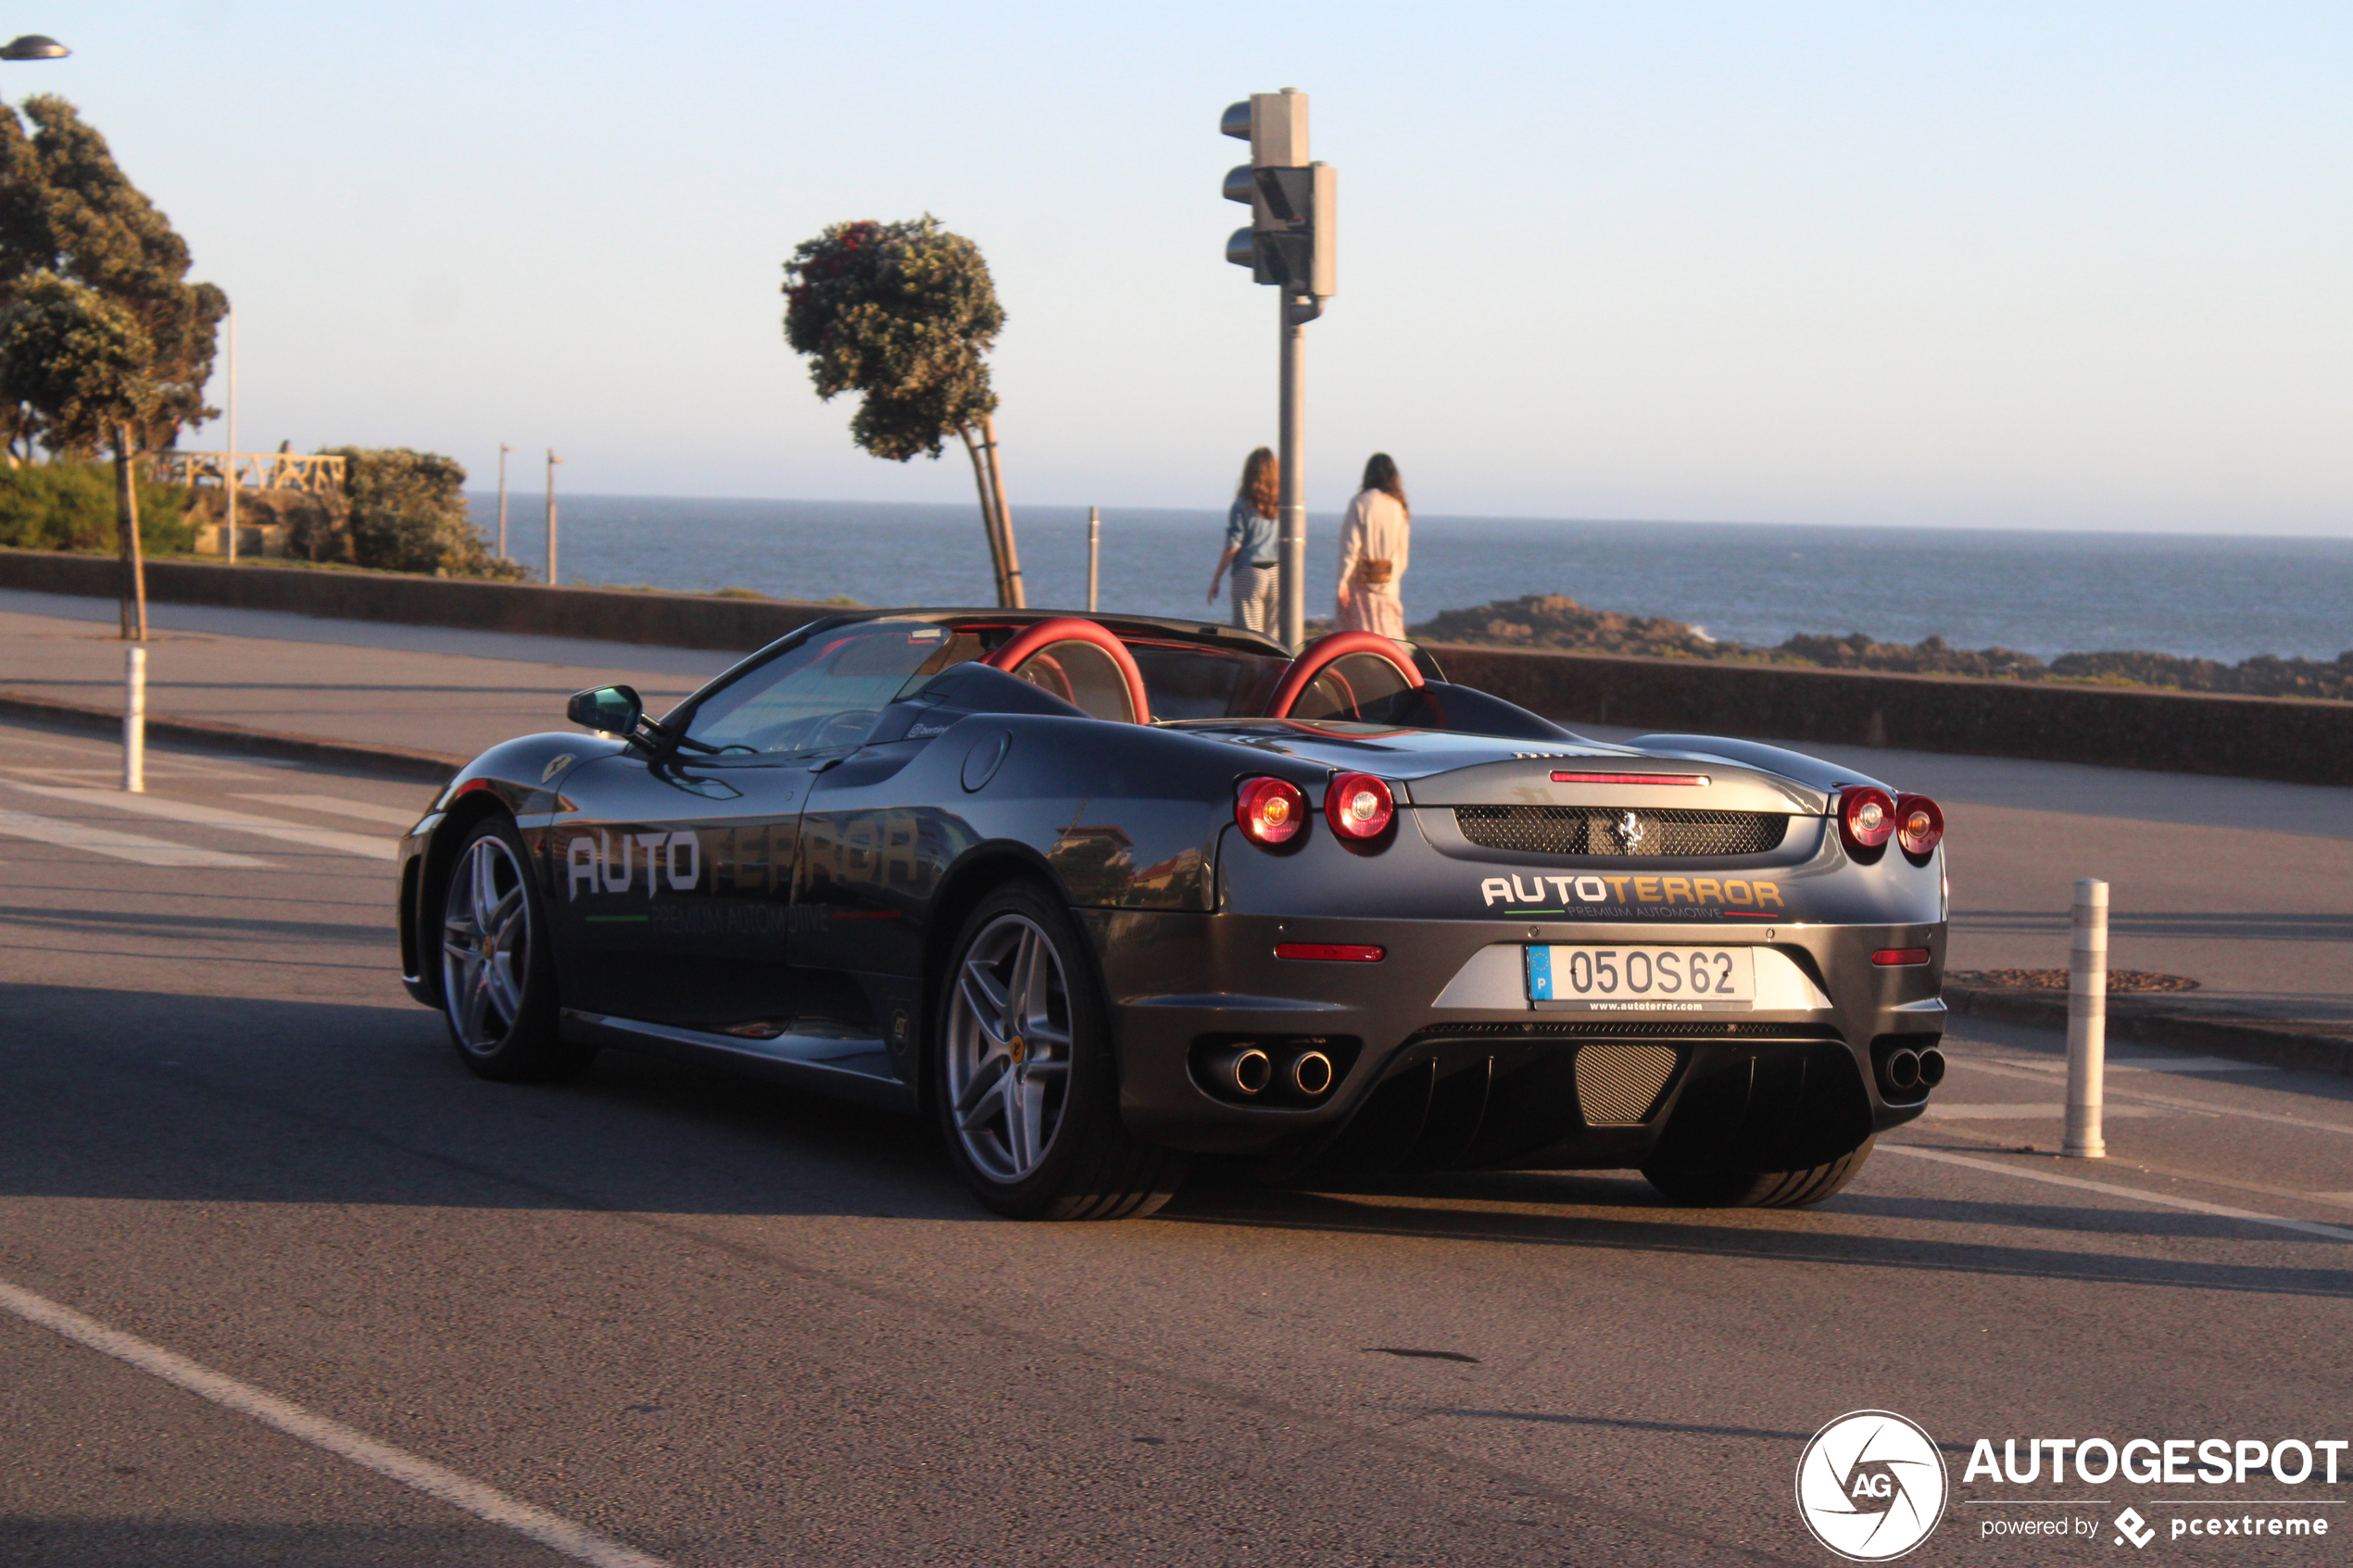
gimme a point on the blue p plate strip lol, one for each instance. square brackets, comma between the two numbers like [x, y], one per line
[1539, 975]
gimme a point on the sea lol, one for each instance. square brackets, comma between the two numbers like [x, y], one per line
[2219, 597]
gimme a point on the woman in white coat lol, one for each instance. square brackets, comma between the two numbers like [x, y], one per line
[1373, 539]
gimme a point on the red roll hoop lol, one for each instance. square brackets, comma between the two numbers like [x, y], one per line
[1326, 649]
[1071, 629]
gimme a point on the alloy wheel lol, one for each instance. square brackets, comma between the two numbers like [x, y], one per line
[485, 944]
[1009, 1047]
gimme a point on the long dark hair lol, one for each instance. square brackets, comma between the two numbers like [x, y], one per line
[1380, 473]
[1262, 484]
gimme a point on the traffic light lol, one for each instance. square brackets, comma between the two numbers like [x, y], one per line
[1293, 237]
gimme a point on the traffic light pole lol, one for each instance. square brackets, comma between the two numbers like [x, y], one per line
[1292, 242]
[1296, 314]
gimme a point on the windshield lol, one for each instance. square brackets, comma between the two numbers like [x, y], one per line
[828, 693]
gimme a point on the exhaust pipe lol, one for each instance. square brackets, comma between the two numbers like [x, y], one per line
[1931, 1068]
[1904, 1071]
[1311, 1072]
[1245, 1070]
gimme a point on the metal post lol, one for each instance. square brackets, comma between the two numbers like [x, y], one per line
[1293, 550]
[135, 719]
[232, 477]
[1094, 552]
[503, 450]
[2087, 1023]
[552, 461]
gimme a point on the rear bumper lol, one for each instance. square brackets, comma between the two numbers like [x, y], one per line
[1498, 1082]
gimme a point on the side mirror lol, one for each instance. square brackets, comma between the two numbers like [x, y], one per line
[614, 710]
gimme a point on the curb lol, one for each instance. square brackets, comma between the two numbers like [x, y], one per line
[2303, 1044]
[429, 766]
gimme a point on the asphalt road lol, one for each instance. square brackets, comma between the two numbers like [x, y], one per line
[720, 1324]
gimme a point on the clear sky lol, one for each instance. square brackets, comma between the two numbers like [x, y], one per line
[2039, 265]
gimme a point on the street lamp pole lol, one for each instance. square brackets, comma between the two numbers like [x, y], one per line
[552, 461]
[503, 450]
[229, 479]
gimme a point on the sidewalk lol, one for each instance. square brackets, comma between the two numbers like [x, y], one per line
[415, 688]
[2243, 886]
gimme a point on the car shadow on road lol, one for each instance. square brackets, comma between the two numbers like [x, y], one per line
[161, 1097]
[1606, 1212]
[33, 1540]
[142, 1094]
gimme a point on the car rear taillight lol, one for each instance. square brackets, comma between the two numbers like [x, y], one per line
[1899, 958]
[1866, 817]
[1270, 812]
[1358, 805]
[1920, 825]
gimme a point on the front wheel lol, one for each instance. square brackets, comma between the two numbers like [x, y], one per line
[1026, 1090]
[1758, 1189]
[497, 967]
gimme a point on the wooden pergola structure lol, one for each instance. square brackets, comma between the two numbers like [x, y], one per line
[251, 470]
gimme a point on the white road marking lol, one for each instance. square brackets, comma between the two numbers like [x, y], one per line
[177, 761]
[216, 817]
[122, 846]
[2142, 1097]
[336, 806]
[2016, 1110]
[2159, 1064]
[557, 1534]
[2051, 1178]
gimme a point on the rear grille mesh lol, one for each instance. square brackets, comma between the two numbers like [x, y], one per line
[1647, 834]
[1617, 1085]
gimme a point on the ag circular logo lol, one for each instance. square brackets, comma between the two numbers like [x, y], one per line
[1871, 1485]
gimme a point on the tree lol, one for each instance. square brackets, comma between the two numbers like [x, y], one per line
[902, 314]
[81, 364]
[409, 514]
[108, 344]
[103, 233]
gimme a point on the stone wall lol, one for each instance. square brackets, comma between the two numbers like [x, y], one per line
[2287, 739]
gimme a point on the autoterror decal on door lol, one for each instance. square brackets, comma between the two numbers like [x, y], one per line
[612, 862]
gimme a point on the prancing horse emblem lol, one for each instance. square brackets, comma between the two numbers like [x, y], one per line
[1627, 830]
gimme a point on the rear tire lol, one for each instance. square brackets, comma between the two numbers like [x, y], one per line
[497, 969]
[1758, 1189]
[1027, 1093]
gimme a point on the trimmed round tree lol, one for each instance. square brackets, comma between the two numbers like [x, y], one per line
[903, 314]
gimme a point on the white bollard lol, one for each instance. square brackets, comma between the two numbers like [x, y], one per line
[1094, 552]
[135, 719]
[2087, 1024]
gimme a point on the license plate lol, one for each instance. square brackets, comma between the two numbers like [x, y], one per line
[1640, 979]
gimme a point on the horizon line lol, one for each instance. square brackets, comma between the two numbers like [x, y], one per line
[2103, 530]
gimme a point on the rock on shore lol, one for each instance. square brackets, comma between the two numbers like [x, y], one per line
[1555, 621]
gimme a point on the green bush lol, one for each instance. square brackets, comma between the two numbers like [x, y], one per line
[409, 514]
[68, 506]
